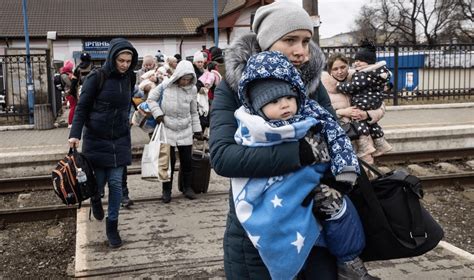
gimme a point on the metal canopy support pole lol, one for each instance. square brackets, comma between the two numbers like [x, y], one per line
[216, 26]
[29, 79]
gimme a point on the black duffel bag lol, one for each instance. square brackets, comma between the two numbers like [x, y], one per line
[395, 223]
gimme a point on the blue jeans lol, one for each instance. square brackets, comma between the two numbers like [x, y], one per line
[112, 176]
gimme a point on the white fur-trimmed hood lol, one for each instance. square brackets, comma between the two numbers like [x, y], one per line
[242, 48]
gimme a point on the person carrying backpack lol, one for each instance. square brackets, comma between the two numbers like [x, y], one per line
[101, 119]
[80, 73]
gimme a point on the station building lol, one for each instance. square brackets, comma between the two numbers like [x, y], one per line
[69, 27]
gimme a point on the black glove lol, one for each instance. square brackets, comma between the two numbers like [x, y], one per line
[306, 153]
[159, 119]
[313, 147]
[328, 202]
[198, 136]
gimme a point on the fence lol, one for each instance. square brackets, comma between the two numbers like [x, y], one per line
[425, 72]
[14, 108]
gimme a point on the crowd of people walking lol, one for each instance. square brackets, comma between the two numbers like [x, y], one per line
[274, 118]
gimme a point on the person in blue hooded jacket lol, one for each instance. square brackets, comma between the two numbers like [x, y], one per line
[101, 119]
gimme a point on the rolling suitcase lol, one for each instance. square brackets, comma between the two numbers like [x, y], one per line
[201, 165]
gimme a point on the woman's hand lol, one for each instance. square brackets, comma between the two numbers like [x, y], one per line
[359, 115]
[159, 119]
[73, 142]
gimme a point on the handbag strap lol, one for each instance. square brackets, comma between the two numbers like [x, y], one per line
[417, 227]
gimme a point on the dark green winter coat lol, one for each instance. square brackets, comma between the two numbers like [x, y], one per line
[241, 259]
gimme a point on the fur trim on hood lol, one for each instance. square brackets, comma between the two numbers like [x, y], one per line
[242, 48]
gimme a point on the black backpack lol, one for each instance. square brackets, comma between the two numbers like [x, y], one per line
[102, 76]
[65, 183]
[58, 82]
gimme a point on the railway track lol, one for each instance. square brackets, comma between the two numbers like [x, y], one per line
[15, 185]
[61, 211]
[43, 182]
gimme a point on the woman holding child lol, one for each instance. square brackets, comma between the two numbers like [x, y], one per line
[291, 37]
[338, 72]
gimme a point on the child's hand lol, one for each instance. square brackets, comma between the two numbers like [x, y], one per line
[358, 114]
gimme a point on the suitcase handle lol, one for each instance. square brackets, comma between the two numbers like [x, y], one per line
[203, 151]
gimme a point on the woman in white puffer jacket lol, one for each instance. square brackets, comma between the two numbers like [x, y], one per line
[174, 103]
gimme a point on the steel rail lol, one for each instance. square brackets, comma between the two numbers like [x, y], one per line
[432, 182]
[426, 156]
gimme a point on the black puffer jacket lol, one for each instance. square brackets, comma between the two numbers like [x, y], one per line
[104, 114]
[241, 259]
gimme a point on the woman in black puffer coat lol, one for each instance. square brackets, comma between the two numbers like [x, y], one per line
[287, 28]
[102, 111]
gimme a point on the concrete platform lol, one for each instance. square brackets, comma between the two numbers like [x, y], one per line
[183, 240]
[31, 152]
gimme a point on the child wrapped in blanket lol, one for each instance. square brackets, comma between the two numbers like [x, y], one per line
[278, 213]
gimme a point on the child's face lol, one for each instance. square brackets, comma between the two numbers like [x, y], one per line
[360, 64]
[282, 108]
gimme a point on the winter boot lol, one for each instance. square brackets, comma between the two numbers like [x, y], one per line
[188, 191]
[364, 146]
[112, 233]
[97, 210]
[166, 196]
[354, 270]
[381, 146]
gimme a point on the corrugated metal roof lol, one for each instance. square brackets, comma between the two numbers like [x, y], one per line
[109, 18]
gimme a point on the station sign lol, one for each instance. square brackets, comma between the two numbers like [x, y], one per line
[96, 45]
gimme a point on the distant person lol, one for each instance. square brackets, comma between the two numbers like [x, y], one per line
[215, 79]
[147, 65]
[178, 113]
[338, 72]
[167, 69]
[367, 93]
[81, 72]
[276, 109]
[102, 119]
[216, 55]
[160, 57]
[71, 95]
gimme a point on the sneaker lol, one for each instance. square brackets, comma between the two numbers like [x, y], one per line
[381, 147]
[354, 270]
[127, 202]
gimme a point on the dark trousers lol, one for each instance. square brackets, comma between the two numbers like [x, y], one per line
[185, 161]
[124, 183]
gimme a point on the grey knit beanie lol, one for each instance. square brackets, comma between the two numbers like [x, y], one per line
[263, 91]
[273, 21]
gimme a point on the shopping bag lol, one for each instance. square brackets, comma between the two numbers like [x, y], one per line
[156, 158]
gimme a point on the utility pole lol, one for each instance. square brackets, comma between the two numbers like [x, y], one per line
[311, 6]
